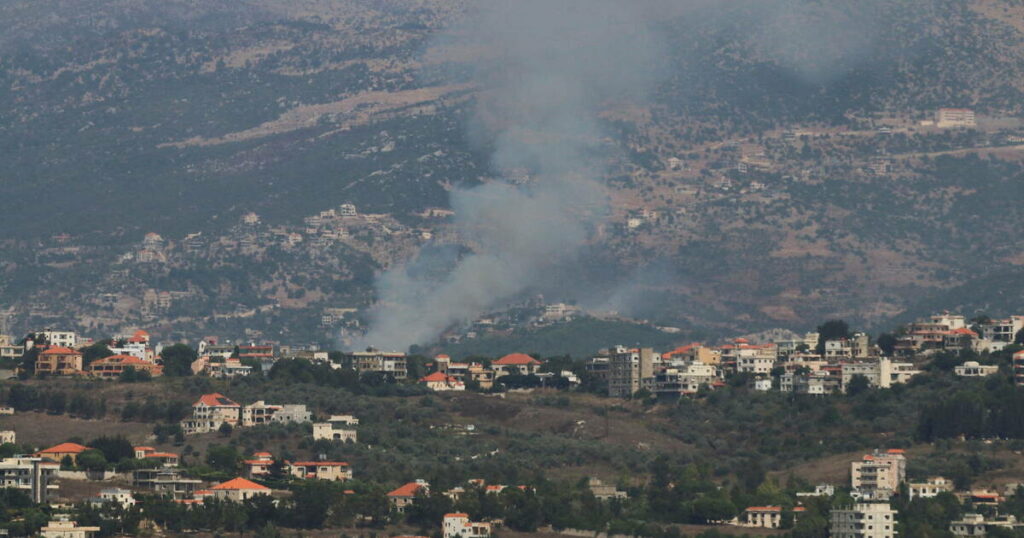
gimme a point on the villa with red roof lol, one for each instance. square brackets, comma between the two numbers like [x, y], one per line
[440, 382]
[58, 361]
[405, 495]
[259, 465]
[320, 470]
[515, 364]
[61, 451]
[167, 459]
[210, 412]
[238, 489]
[112, 367]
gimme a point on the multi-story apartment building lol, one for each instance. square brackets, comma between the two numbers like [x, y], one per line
[166, 481]
[8, 348]
[1018, 368]
[57, 338]
[1002, 330]
[863, 520]
[880, 473]
[372, 360]
[58, 361]
[692, 353]
[627, 368]
[684, 379]
[31, 475]
[881, 373]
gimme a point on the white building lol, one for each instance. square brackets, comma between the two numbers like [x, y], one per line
[815, 382]
[863, 520]
[238, 490]
[979, 525]
[458, 525]
[66, 339]
[974, 369]
[7, 436]
[929, 488]
[119, 496]
[955, 117]
[883, 373]
[337, 428]
[64, 527]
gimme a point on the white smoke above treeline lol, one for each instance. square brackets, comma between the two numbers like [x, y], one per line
[544, 70]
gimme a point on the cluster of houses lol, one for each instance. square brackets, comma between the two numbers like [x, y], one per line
[453, 376]
[875, 479]
[212, 411]
[793, 365]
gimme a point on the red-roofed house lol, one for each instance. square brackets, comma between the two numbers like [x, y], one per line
[259, 465]
[768, 517]
[238, 489]
[320, 470]
[405, 495]
[58, 361]
[139, 337]
[439, 381]
[112, 367]
[515, 364]
[210, 412]
[458, 525]
[61, 451]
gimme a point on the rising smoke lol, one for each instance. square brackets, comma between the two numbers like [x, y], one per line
[546, 67]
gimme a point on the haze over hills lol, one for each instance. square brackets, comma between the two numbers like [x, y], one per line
[775, 173]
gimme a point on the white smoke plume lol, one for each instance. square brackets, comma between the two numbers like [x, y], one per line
[546, 68]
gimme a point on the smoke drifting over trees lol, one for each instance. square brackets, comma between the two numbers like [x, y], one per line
[545, 69]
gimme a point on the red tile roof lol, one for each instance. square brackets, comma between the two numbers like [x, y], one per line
[216, 399]
[764, 509]
[122, 359]
[516, 359]
[57, 350]
[456, 514]
[408, 490]
[321, 463]
[65, 448]
[240, 483]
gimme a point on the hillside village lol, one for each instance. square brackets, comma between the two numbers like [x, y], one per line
[118, 478]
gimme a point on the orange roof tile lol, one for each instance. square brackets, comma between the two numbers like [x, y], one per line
[216, 399]
[516, 359]
[408, 490]
[764, 509]
[456, 514]
[240, 483]
[321, 463]
[57, 350]
[65, 448]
